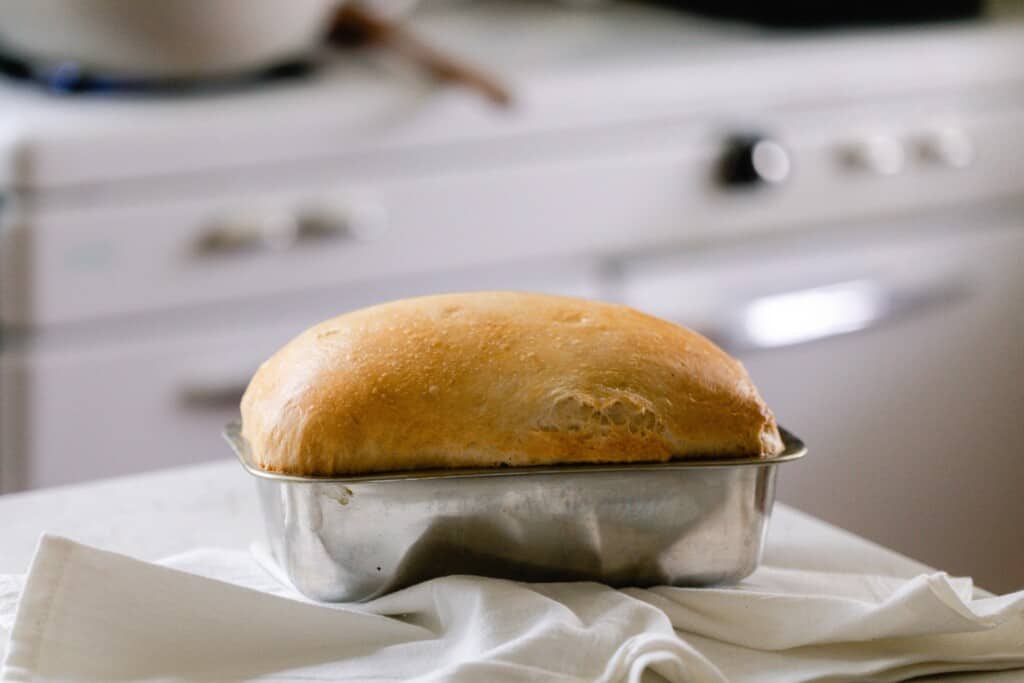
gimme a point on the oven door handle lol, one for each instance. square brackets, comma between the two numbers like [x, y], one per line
[818, 313]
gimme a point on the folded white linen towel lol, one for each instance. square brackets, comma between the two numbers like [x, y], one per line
[89, 615]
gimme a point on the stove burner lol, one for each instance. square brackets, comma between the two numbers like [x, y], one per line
[70, 78]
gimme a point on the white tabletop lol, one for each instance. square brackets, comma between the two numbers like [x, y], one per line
[154, 515]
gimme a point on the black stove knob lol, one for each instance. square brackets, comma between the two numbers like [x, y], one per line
[753, 161]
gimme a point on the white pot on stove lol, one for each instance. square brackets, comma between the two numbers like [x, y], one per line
[162, 40]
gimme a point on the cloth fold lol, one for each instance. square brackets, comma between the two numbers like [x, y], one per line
[89, 615]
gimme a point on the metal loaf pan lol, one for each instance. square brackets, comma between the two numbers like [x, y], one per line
[682, 523]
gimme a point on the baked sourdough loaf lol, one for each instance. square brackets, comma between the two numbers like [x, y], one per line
[498, 378]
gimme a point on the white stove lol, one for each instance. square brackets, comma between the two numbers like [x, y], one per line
[155, 249]
[612, 111]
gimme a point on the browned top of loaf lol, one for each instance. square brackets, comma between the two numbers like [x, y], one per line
[498, 378]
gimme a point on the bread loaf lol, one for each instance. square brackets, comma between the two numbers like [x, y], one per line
[498, 379]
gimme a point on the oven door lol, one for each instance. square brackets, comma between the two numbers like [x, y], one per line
[896, 353]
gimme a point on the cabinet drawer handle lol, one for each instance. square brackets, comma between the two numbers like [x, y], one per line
[206, 396]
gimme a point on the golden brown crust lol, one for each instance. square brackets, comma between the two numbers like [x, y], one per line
[498, 378]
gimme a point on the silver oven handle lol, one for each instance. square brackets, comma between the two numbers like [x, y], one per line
[768, 322]
[818, 313]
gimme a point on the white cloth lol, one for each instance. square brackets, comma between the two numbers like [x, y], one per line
[90, 615]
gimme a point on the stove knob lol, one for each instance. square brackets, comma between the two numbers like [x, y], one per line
[228, 235]
[234, 233]
[753, 160]
[356, 218]
[323, 222]
[878, 154]
[947, 146]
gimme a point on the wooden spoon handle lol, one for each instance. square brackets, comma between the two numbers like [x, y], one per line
[353, 20]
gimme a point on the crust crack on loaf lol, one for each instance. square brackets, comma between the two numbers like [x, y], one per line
[499, 378]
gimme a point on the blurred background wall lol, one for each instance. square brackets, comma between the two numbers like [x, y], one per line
[834, 194]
